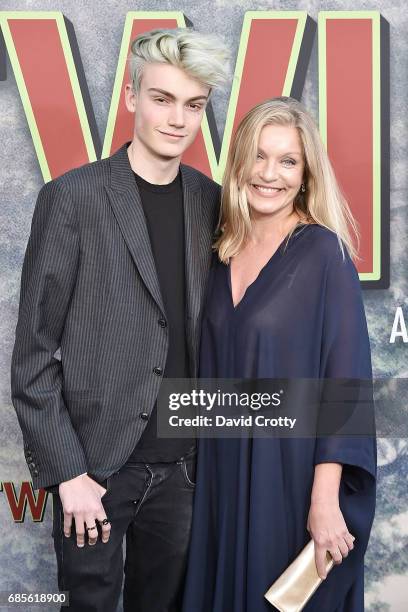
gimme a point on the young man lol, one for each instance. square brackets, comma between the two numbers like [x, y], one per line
[114, 276]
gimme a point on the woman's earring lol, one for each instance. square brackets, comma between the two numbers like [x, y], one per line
[303, 188]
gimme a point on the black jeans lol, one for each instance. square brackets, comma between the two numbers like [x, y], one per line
[150, 504]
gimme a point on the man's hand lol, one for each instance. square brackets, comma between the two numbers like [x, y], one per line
[81, 500]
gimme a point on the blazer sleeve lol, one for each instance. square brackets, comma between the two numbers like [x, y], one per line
[347, 396]
[52, 449]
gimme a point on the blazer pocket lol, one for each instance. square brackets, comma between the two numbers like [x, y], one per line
[84, 410]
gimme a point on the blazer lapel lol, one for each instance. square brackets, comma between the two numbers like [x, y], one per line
[198, 239]
[127, 207]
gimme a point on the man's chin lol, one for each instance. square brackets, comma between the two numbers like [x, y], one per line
[172, 152]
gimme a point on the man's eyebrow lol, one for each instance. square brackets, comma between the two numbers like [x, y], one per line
[172, 97]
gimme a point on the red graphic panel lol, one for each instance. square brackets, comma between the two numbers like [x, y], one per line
[266, 62]
[350, 120]
[44, 68]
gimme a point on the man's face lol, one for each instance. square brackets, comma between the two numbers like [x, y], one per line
[168, 110]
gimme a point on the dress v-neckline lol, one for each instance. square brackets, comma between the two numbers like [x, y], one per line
[235, 306]
[262, 270]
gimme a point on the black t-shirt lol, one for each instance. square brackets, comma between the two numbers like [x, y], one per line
[163, 208]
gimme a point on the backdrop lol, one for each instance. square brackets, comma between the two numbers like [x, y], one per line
[62, 68]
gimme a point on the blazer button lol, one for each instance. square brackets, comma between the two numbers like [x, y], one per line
[158, 371]
[31, 465]
[35, 472]
[144, 416]
[162, 323]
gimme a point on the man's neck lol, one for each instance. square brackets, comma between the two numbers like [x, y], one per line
[154, 169]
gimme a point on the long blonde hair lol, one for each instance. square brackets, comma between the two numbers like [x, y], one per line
[322, 201]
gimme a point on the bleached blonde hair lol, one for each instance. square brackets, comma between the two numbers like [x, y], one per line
[202, 56]
[322, 201]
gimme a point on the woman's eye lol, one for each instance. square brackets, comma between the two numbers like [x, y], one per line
[289, 162]
[259, 156]
[160, 100]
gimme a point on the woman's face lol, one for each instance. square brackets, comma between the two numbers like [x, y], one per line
[277, 173]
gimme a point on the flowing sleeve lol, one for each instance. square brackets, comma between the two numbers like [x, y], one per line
[347, 377]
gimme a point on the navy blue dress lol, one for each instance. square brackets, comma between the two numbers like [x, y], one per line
[302, 317]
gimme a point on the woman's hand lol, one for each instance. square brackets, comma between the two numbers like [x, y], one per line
[325, 522]
[329, 531]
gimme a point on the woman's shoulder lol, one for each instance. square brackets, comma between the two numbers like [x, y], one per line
[336, 261]
[326, 243]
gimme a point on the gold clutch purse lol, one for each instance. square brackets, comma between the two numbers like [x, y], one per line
[293, 589]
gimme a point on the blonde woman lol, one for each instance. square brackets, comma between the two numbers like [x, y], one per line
[283, 301]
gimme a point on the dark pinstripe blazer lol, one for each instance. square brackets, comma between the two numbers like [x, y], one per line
[89, 287]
